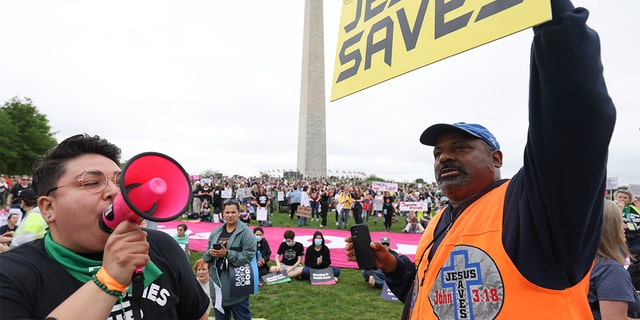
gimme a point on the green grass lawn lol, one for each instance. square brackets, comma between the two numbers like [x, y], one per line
[350, 298]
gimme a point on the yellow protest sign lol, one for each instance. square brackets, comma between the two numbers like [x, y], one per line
[382, 39]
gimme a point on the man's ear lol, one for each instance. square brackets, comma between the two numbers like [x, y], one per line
[496, 155]
[46, 204]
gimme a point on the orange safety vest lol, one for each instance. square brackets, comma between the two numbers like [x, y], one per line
[471, 276]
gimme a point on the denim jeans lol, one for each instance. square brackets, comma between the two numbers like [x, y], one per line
[344, 218]
[315, 213]
[240, 311]
[378, 276]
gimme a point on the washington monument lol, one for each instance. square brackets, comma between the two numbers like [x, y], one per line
[312, 131]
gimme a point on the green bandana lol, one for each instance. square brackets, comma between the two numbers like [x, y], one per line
[82, 268]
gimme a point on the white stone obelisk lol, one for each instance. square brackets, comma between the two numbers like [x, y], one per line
[312, 130]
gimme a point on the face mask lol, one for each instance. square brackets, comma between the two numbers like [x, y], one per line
[317, 242]
[289, 243]
[258, 238]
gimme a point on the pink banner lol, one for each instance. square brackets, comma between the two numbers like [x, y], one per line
[403, 243]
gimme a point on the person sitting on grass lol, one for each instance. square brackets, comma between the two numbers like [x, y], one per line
[318, 256]
[182, 238]
[245, 215]
[263, 251]
[289, 256]
[413, 225]
[205, 211]
[376, 277]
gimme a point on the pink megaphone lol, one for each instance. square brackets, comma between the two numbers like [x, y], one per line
[152, 186]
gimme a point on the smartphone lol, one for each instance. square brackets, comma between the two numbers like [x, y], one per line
[361, 246]
[216, 246]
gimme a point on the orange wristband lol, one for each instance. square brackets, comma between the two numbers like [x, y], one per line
[105, 278]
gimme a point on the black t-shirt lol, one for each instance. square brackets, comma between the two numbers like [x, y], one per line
[15, 191]
[32, 284]
[263, 200]
[207, 196]
[217, 197]
[223, 239]
[290, 254]
[6, 228]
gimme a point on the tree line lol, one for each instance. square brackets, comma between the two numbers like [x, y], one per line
[25, 134]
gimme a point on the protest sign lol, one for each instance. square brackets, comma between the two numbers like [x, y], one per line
[276, 278]
[612, 183]
[322, 276]
[387, 294]
[243, 193]
[377, 203]
[303, 211]
[384, 186]
[380, 40]
[261, 215]
[413, 206]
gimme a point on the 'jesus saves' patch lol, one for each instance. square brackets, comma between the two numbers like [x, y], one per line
[468, 286]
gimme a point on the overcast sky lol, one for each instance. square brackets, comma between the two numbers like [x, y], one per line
[216, 85]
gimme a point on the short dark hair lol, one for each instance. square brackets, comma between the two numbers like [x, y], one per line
[49, 168]
[30, 202]
[231, 202]
[256, 229]
[289, 234]
[183, 225]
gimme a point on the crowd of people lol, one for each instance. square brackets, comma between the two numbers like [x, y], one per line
[349, 200]
[497, 248]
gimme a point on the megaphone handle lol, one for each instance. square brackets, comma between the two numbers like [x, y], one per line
[137, 284]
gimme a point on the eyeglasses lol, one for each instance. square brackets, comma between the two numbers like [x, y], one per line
[385, 244]
[92, 181]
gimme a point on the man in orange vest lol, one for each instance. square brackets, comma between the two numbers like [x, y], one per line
[514, 249]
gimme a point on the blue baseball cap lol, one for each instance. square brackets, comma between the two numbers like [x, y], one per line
[431, 134]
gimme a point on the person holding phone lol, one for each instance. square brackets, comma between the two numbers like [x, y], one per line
[513, 249]
[233, 244]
